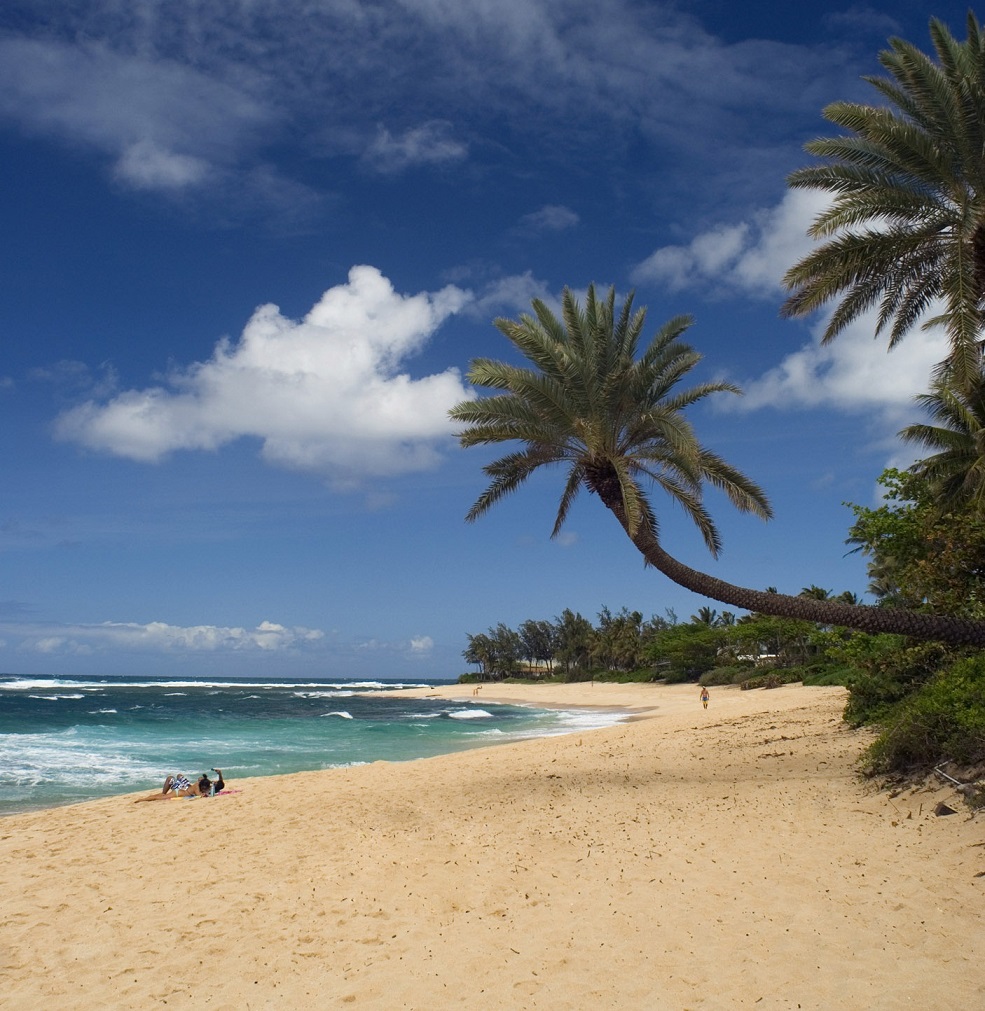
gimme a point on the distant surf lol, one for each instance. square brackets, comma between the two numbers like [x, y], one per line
[64, 740]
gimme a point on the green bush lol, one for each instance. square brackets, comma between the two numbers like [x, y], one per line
[944, 720]
[889, 669]
[772, 679]
[722, 675]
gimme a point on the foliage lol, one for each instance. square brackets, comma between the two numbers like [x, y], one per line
[954, 473]
[887, 668]
[685, 652]
[726, 675]
[906, 222]
[771, 679]
[943, 720]
[924, 556]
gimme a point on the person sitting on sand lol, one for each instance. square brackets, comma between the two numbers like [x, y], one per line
[180, 786]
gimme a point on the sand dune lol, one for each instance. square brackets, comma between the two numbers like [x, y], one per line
[693, 859]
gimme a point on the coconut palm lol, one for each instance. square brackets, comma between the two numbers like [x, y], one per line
[956, 468]
[593, 403]
[906, 226]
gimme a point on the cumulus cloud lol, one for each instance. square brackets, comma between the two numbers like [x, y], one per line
[329, 393]
[160, 637]
[428, 144]
[421, 644]
[854, 372]
[748, 256]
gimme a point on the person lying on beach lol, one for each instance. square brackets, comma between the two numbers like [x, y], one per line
[180, 786]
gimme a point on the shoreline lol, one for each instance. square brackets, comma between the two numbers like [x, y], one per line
[689, 859]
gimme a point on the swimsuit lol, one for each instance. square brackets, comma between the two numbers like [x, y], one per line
[179, 783]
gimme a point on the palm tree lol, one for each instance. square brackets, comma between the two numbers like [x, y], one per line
[906, 226]
[613, 418]
[956, 469]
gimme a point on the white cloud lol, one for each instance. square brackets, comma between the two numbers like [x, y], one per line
[328, 394]
[146, 166]
[853, 372]
[510, 295]
[421, 644]
[162, 122]
[215, 83]
[428, 144]
[160, 637]
[749, 256]
[550, 218]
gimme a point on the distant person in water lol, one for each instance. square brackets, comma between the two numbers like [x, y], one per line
[180, 786]
[704, 696]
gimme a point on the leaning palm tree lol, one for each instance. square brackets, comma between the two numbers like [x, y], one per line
[593, 403]
[956, 468]
[906, 226]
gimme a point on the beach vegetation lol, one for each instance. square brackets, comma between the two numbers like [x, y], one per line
[943, 719]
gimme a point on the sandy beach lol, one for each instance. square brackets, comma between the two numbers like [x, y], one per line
[727, 858]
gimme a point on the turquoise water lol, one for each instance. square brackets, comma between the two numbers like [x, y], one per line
[64, 740]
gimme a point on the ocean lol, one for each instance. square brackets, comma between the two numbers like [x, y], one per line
[65, 739]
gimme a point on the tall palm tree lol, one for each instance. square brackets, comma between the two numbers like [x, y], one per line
[906, 226]
[956, 468]
[611, 415]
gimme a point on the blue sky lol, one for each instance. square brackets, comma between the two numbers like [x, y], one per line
[250, 247]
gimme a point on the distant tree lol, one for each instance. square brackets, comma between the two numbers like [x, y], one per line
[507, 650]
[536, 639]
[574, 641]
[479, 651]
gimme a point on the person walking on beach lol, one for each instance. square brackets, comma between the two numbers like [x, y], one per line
[704, 696]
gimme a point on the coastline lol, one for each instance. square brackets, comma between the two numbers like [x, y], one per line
[689, 859]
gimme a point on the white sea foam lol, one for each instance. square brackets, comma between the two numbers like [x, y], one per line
[470, 714]
[55, 698]
[342, 713]
[96, 712]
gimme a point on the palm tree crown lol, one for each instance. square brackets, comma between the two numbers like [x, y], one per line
[956, 468]
[610, 417]
[594, 402]
[906, 226]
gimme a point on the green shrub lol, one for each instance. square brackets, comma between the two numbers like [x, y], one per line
[889, 669]
[942, 721]
[772, 679]
[722, 675]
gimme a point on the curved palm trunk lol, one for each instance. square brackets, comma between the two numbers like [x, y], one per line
[937, 628]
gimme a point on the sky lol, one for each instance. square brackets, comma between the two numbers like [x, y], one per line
[250, 247]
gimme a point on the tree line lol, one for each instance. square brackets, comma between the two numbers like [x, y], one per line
[571, 647]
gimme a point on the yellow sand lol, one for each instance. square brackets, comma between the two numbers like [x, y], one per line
[726, 858]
